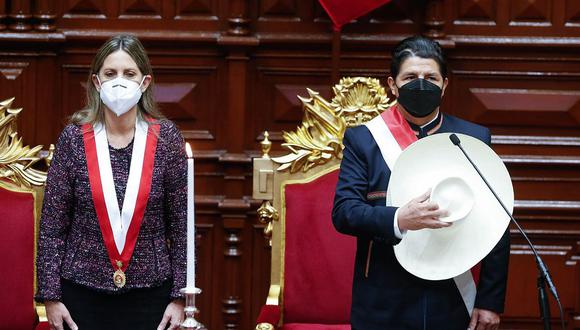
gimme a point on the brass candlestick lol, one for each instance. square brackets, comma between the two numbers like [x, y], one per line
[190, 323]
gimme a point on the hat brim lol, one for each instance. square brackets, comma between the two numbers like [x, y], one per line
[438, 254]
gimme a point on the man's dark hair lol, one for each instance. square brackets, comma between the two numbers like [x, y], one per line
[421, 47]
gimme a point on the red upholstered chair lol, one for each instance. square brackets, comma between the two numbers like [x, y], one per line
[312, 264]
[21, 188]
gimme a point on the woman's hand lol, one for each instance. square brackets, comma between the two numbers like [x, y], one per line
[173, 315]
[56, 313]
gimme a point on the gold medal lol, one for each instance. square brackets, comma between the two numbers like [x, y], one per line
[119, 276]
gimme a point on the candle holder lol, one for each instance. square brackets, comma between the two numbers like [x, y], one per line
[190, 323]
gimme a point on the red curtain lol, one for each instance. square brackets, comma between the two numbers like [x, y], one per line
[344, 11]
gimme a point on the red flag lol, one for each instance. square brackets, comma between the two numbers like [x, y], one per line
[344, 11]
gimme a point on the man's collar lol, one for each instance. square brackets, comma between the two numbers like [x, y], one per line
[428, 128]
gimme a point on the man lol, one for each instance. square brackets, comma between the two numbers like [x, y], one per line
[385, 296]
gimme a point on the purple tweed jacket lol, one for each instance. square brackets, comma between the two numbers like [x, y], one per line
[70, 243]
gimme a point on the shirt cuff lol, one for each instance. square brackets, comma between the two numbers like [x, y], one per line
[396, 230]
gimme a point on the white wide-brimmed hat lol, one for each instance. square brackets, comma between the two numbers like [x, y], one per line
[478, 220]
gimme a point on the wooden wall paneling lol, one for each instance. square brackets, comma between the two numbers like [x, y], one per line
[260, 274]
[20, 15]
[191, 9]
[236, 42]
[141, 9]
[17, 79]
[86, 9]
[206, 238]
[193, 19]
[572, 14]
[188, 95]
[229, 69]
[434, 19]
[522, 278]
[47, 102]
[514, 99]
[44, 15]
[278, 77]
[512, 18]
[3, 14]
[74, 82]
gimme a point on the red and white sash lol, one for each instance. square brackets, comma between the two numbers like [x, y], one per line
[120, 227]
[393, 134]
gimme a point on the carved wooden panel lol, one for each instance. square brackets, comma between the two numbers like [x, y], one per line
[276, 95]
[482, 12]
[557, 256]
[74, 92]
[278, 7]
[186, 95]
[531, 12]
[572, 16]
[145, 9]
[85, 8]
[195, 8]
[205, 235]
[17, 79]
[522, 99]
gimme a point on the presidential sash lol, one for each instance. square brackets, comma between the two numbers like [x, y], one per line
[393, 134]
[120, 227]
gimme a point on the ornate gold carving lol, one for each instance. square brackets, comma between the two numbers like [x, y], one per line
[266, 145]
[359, 99]
[264, 326]
[319, 138]
[16, 160]
[268, 214]
[316, 140]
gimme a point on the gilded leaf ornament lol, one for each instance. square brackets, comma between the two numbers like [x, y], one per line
[316, 140]
[16, 160]
[319, 137]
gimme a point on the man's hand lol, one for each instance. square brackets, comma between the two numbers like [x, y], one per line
[173, 315]
[57, 313]
[419, 213]
[482, 319]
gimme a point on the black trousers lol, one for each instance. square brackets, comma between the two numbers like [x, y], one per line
[139, 309]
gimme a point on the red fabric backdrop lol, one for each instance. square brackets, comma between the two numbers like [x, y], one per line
[17, 258]
[318, 262]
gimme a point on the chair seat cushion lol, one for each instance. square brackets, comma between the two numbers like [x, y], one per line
[313, 326]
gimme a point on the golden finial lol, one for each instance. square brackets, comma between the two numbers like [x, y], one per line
[266, 145]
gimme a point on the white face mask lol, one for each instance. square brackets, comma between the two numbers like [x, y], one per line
[120, 94]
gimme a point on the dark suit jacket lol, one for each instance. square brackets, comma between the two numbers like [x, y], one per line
[388, 297]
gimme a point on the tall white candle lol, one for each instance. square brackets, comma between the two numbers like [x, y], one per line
[190, 220]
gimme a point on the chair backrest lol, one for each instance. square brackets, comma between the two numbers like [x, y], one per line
[312, 264]
[21, 188]
[319, 261]
[17, 243]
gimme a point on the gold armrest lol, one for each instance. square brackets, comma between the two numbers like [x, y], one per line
[41, 312]
[264, 326]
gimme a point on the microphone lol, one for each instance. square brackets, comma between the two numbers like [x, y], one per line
[544, 274]
[456, 141]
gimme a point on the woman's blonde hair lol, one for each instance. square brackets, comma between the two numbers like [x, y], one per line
[93, 111]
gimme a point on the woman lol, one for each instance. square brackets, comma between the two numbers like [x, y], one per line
[111, 252]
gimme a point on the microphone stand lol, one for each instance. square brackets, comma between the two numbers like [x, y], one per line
[543, 274]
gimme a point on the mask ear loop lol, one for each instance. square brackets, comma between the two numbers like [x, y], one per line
[99, 80]
[141, 84]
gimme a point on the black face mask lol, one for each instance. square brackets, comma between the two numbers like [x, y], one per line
[419, 97]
